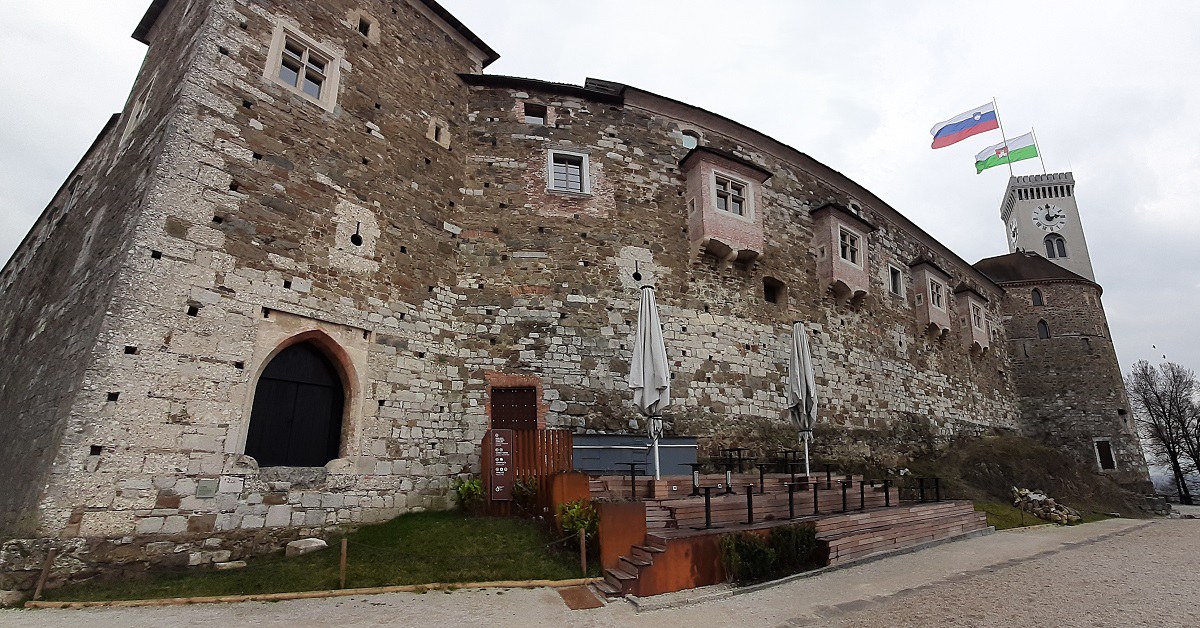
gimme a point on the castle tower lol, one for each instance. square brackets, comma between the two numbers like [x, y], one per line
[1061, 356]
[1040, 215]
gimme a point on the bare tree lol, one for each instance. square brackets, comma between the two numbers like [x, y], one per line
[1163, 401]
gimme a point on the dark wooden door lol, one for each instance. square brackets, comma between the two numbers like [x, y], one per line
[296, 420]
[514, 408]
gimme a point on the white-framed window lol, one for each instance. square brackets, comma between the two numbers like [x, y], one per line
[303, 66]
[731, 195]
[850, 246]
[937, 294]
[977, 316]
[895, 281]
[568, 172]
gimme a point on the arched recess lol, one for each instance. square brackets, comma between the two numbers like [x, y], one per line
[1043, 330]
[302, 401]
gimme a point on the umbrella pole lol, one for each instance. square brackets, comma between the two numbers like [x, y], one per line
[657, 431]
[806, 458]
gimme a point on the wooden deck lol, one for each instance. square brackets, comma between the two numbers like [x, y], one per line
[678, 553]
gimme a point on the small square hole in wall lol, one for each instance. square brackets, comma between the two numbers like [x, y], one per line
[381, 402]
[535, 113]
[130, 350]
[420, 354]
[113, 396]
[404, 249]
[247, 104]
[364, 26]
[266, 312]
[155, 254]
[223, 50]
[193, 310]
[287, 284]
[239, 365]
[379, 105]
[233, 186]
[218, 220]
[95, 450]
[366, 162]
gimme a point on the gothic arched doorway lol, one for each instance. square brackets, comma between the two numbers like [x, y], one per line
[296, 420]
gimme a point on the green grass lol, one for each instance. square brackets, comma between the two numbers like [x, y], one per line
[419, 548]
[1006, 516]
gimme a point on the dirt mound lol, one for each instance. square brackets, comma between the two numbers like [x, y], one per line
[986, 469]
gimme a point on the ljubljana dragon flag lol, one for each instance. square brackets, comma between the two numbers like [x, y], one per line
[1016, 149]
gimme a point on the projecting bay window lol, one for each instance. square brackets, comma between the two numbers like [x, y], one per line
[730, 196]
[568, 172]
[303, 67]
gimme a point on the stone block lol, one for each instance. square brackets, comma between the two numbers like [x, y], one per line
[280, 515]
[301, 547]
[233, 564]
[202, 523]
[11, 598]
[174, 525]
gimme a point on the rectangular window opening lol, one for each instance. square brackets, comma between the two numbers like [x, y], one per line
[977, 316]
[568, 173]
[1104, 455]
[302, 68]
[935, 294]
[849, 246]
[534, 113]
[364, 26]
[895, 281]
[731, 196]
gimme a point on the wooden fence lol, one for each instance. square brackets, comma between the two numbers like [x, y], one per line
[537, 456]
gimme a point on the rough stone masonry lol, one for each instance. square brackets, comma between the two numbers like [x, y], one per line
[332, 200]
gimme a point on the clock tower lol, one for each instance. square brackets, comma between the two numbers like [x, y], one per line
[1040, 216]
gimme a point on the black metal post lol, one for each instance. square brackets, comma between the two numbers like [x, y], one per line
[828, 478]
[921, 488]
[862, 496]
[761, 476]
[887, 493]
[816, 499]
[791, 500]
[937, 489]
[749, 503]
[707, 510]
[844, 486]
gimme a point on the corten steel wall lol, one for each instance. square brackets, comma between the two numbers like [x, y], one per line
[1070, 385]
[468, 272]
[63, 283]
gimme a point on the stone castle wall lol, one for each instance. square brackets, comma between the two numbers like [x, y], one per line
[465, 273]
[1069, 385]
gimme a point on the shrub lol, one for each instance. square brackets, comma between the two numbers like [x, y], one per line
[750, 558]
[579, 515]
[469, 491]
[794, 546]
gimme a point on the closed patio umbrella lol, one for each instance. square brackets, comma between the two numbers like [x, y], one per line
[649, 376]
[801, 388]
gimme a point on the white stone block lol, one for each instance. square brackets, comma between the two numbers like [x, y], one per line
[301, 547]
[279, 515]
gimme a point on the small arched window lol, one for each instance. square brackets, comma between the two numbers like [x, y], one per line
[1043, 330]
[1056, 246]
[1037, 297]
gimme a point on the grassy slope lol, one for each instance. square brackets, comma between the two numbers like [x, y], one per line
[985, 470]
[411, 549]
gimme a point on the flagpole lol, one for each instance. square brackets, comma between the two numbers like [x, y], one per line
[1038, 147]
[1004, 137]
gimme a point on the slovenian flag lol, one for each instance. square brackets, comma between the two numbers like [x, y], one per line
[964, 125]
[1016, 149]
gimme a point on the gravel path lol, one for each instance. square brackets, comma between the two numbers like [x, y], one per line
[1112, 573]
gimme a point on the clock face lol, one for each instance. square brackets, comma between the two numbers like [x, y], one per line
[1049, 217]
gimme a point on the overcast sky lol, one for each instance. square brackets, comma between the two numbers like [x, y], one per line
[1110, 88]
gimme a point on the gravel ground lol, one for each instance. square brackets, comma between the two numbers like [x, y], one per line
[1112, 573]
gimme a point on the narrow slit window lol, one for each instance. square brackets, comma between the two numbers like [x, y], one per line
[1043, 330]
[1037, 297]
[895, 281]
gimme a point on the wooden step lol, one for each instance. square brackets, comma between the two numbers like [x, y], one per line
[606, 589]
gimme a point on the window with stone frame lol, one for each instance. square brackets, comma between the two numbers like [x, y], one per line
[937, 294]
[977, 316]
[730, 195]
[895, 281]
[1036, 295]
[1104, 454]
[1043, 330]
[303, 67]
[849, 245]
[568, 172]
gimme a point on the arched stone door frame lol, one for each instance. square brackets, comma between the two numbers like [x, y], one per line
[345, 347]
